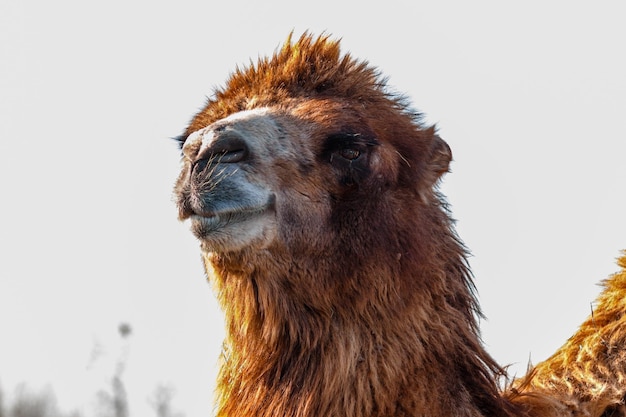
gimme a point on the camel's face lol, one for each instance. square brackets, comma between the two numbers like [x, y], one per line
[270, 176]
[220, 188]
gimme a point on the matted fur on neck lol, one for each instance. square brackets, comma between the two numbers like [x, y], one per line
[296, 347]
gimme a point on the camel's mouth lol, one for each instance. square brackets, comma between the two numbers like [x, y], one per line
[231, 225]
[204, 226]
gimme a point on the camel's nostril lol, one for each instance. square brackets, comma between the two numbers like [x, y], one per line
[227, 148]
[232, 156]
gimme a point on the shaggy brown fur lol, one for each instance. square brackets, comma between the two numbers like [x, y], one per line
[587, 375]
[345, 288]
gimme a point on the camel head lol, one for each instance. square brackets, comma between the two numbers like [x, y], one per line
[306, 151]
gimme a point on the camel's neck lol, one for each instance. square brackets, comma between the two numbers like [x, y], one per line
[292, 353]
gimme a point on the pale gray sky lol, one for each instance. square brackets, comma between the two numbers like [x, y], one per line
[531, 97]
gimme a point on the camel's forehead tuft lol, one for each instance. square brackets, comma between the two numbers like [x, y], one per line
[307, 68]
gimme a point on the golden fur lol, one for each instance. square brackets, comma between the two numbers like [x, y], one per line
[313, 191]
[587, 375]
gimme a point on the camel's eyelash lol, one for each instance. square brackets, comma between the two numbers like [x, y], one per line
[180, 139]
[340, 141]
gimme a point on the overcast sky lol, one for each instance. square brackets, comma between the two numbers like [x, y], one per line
[531, 98]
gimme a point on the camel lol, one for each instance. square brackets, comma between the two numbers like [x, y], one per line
[313, 192]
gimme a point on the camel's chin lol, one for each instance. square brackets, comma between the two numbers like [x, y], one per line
[234, 230]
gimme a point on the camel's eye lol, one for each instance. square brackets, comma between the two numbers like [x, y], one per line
[349, 156]
[350, 153]
[347, 146]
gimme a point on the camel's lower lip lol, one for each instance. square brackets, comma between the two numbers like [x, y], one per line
[204, 226]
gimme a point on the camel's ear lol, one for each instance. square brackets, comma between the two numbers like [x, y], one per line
[437, 164]
[438, 159]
